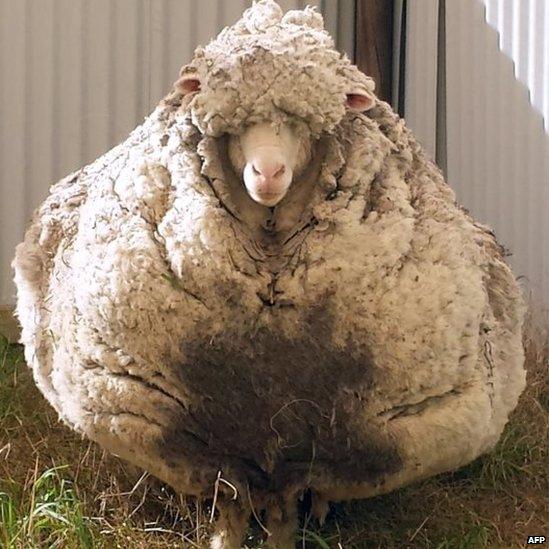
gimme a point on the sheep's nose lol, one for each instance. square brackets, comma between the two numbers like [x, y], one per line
[268, 170]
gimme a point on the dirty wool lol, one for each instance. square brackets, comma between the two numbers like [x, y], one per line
[362, 334]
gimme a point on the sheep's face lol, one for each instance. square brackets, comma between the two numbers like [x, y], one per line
[268, 157]
[275, 84]
[272, 67]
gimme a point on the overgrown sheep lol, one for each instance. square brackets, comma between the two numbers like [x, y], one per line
[268, 289]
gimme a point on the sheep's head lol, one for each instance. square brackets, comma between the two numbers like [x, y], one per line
[275, 83]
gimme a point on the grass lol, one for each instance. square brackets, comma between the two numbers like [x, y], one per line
[51, 516]
[58, 490]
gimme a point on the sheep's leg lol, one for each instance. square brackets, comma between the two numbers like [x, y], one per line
[230, 527]
[282, 521]
[319, 507]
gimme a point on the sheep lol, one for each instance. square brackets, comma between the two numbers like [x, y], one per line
[269, 289]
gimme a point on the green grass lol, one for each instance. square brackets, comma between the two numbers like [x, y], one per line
[11, 358]
[51, 515]
[57, 490]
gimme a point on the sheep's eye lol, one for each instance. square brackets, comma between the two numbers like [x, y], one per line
[254, 170]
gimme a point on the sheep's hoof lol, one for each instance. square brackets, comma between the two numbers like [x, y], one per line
[319, 508]
[282, 524]
[230, 527]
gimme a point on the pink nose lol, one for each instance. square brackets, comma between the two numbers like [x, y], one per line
[269, 170]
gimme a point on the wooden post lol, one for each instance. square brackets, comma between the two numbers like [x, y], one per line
[374, 43]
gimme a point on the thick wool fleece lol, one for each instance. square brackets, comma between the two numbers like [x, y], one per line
[362, 334]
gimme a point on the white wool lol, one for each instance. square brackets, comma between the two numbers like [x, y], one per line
[363, 334]
[272, 73]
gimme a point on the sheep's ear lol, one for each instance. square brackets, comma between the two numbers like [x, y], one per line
[360, 101]
[188, 83]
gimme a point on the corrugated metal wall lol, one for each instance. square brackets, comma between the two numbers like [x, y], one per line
[421, 71]
[76, 76]
[497, 94]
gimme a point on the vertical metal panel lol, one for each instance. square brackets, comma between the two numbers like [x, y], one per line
[129, 68]
[345, 33]
[40, 109]
[13, 120]
[497, 148]
[83, 74]
[421, 71]
[97, 59]
[64, 136]
[339, 22]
